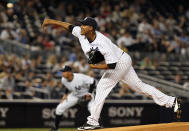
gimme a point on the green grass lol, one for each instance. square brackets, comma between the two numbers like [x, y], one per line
[37, 129]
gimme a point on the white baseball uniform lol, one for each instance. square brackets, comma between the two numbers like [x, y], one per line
[78, 87]
[122, 72]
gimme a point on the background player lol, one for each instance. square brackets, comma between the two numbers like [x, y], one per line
[78, 85]
[118, 65]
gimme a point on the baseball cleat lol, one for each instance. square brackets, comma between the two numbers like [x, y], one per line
[53, 128]
[177, 108]
[88, 127]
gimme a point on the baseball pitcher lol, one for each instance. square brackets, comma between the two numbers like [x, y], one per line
[118, 66]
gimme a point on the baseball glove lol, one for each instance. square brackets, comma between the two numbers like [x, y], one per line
[82, 101]
[95, 56]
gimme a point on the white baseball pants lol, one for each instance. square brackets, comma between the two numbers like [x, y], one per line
[69, 102]
[125, 72]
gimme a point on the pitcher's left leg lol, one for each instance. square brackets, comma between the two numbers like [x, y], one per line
[104, 87]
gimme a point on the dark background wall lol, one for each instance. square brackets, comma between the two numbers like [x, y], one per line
[30, 115]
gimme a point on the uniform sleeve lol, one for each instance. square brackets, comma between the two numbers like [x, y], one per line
[87, 79]
[107, 52]
[90, 81]
[62, 80]
[66, 91]
[76, 31]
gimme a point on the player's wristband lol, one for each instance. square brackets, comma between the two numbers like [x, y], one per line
[112, 66]
[71, 28]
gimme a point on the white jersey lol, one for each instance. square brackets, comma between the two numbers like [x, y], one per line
[123, 72]
[80, 84]
[110, 51]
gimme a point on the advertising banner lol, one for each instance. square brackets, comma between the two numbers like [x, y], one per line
[39, 114]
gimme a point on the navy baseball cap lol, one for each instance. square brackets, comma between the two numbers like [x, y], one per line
[66, 69]
[89, 21]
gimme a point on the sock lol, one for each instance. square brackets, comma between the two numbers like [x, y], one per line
[57, 121]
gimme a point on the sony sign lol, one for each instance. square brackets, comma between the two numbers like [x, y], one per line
[3, 112]
[125, 111]
[48, 113]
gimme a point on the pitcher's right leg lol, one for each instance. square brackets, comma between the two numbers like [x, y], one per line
[135, 83]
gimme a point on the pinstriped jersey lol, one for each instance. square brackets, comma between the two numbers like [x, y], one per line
[80, 84]
[110, 51]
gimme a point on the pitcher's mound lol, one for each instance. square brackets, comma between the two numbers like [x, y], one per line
[176, 126]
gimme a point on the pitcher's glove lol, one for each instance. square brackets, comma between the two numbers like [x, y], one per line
[95, 56]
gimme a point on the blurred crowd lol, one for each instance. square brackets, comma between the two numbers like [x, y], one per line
[24, 78]
[138, 25]
[35, 78]
[133, 25]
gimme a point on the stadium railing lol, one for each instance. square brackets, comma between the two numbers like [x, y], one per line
[170, 87]
[11, 46]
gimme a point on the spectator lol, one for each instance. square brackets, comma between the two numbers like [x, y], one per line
[156, 31]
[2, 79]
[73, 56]
[22, 36]
[186, 84]
[33, 65]
[58, 91]
[48, 43]
[174, 45]
[144, 39]
[146, 63]
[19, 77]
[39, 61]
[126, 39]
[44, 87]
[162, 24]
[51, 87]
[37, 83]
[178, 79]
[171, 22]
[82, 65]
[25, 61]
[155, 64]
[144, 26]
[18, 65]
[52, 61]
[28, 89]
[9, 84]
[38, 42]
[31, 76]
[8, 33]
[124, 89]
[49, 76]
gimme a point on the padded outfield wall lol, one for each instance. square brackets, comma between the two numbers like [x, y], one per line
[30, 114]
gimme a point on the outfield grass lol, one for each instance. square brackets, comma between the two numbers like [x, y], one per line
[38, 129]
